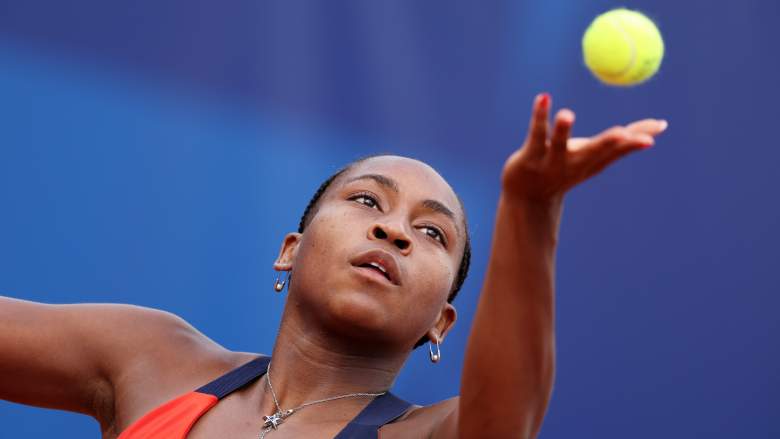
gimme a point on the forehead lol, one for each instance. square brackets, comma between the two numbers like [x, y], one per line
[414, 179]
[411, 175]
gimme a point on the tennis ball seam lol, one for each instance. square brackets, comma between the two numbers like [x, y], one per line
[617, 24]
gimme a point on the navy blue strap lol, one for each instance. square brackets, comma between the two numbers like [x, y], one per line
[237, 378]
[380, 411]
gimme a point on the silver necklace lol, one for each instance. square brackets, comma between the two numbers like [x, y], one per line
[272, 422]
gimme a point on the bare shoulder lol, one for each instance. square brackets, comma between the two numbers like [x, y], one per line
[157, 357]
[435, 421]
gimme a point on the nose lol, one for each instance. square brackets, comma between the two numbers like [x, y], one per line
[393, 234]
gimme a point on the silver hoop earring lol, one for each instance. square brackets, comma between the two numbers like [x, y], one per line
[279, 286]
[437, 356]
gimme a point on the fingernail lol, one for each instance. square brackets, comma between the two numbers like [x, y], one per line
[544, 100]
[662, 124]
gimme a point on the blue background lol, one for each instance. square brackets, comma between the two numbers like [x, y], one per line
[156, 154]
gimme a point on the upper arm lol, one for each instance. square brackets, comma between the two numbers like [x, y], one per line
[446, 422]
[435, 421]
[70, 356]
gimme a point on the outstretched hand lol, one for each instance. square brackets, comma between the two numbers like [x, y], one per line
[550, 163]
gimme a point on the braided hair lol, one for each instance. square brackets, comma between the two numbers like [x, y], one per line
[311, 211]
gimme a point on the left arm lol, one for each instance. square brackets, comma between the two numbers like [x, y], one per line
[510, 357]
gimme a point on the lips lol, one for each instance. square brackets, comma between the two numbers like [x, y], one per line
[381, 261]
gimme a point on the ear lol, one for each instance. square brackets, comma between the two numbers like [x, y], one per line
[284, 261]
[447, 318]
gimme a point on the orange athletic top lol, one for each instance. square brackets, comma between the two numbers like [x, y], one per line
[175, 418]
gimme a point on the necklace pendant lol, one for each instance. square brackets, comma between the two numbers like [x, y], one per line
[277, 418]
[274, 420]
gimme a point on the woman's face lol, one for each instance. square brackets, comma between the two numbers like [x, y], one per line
[390, 211]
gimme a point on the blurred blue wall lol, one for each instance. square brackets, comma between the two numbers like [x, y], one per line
[157, 154]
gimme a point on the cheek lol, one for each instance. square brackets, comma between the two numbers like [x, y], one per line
[430, 286]
[323, 255]
[318, 248]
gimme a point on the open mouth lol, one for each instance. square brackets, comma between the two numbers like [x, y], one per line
[377, 268]
[378, 264]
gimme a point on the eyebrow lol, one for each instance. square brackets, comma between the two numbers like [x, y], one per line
[391, 184]
[379, 178]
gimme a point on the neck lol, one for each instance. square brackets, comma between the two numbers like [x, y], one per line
[310, 364]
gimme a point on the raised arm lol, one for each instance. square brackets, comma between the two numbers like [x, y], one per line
[68, 357]
[510, 358]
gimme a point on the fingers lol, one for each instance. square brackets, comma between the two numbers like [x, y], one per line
[637, 135]
[618, 141]
[591, 155]
[644, 131]
[564, 120]
[537, 131]
[652, 127]
[605, 147]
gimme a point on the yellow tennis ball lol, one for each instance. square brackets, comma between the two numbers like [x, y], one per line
[622, 47]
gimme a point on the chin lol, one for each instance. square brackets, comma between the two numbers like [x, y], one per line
[358, 313]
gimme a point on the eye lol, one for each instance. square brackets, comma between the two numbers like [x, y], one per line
[370, 201]
[437, 234]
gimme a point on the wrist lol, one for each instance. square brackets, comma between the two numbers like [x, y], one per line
[541, 216]
[551, 207]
